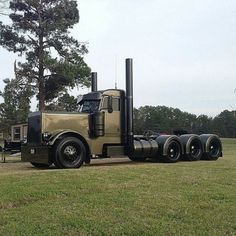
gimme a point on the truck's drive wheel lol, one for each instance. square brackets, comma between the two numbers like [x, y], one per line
[173, 152]
[70, 153]
[195, 153]
[214, 151]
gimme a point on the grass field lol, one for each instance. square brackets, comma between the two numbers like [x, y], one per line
[186, 198]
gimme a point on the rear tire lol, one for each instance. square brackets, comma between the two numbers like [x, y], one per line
[215, 151]
[196, 151]
[173, 152]
[212, 147]
[70, 152]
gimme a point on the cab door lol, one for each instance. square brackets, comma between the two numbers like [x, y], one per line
[111, 105]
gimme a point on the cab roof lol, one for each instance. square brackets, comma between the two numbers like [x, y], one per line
[98, 94]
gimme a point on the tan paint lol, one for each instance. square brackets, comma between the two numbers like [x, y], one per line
[56, 122]
[78, 122]
[61, 121]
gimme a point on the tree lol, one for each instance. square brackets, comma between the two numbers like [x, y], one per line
[16, 105]
[204, 124]
[66, 103]
[225, 124]
[53, 59]
[162, 119]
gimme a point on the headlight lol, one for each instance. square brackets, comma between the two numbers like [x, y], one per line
[24, 141]
[46, 136]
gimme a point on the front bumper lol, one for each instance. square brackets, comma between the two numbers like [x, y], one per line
[37, 154]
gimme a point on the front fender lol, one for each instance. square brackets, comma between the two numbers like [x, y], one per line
[59, 133]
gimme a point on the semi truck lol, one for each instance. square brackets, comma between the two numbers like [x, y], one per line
[103, 127]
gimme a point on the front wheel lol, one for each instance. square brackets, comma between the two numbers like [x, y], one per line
[70, 152]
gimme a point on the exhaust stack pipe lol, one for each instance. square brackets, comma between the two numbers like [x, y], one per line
[129, 105]
[94, 85]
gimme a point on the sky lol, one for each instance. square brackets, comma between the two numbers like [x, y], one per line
[184, 51]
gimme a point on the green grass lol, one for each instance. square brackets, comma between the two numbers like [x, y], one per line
[186, 198]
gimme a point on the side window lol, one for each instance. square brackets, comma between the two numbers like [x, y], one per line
[105, 103]
[116, 104]
[89, 106]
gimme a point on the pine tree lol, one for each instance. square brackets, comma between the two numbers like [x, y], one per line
[53, 59]
[66, 102]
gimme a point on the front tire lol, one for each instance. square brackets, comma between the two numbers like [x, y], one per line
[70, 153]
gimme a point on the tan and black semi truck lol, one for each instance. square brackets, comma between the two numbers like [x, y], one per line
[103, 127]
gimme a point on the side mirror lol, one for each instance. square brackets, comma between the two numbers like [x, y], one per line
[110, 109]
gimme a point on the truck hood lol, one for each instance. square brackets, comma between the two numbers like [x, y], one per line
[55, 123]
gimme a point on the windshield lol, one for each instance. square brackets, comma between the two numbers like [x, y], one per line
[89, 106]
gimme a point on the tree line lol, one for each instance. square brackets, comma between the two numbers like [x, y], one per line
[162, 119]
